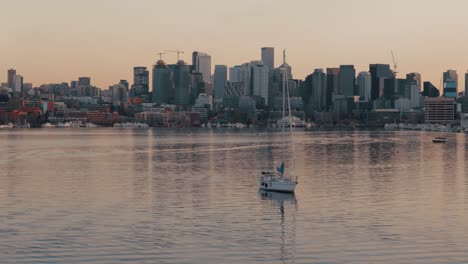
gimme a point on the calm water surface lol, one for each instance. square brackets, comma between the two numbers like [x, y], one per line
[190, 196]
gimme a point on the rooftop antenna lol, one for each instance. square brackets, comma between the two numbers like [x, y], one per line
[395, 65]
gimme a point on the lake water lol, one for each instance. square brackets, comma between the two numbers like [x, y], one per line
[191, 196]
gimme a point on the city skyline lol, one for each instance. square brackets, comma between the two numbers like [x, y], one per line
[106, 47]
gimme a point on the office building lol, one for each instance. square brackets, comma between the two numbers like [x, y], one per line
[347, 80]
[201, 63]
[319, 90]
[11, 78]
[220, 79]
[364, 86]
[162, 83]
[241, 73]
[332, 84]
[84, 81]
[379, 72]
[259, 80]
[414, 78]
[450, 78]
[430, 90]
[182, 84]
[140, 87]
[440, 110]
[466, 83]
[268, 57]
[18, 83]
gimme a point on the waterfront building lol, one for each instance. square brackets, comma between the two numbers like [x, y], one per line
[259, 80]
[140, 87]
[11, 78]
[379, 72]
[347, 80]
[268, 57]
[450, 78]
[440, 110]
[220, 79]
[182, 84]
[201, 63]
[119, 94]
[364, 86]
[162, 83]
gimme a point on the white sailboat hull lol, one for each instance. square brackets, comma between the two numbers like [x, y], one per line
[277, 184]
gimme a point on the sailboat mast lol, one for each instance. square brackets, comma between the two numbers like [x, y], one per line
[284, 106]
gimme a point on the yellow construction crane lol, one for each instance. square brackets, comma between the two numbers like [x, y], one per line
[176, 51]
[395, 65]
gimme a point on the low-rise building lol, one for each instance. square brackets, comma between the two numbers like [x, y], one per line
[440, 110]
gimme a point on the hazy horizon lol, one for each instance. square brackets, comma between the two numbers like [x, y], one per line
[53, 41]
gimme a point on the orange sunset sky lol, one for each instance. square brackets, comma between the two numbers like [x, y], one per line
[59, 40]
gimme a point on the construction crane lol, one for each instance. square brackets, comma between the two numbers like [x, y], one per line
[176, 51]
[160, 55]
[395, 65]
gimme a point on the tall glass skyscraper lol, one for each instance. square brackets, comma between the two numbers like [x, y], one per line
[220, 79]
[162, 83]
[450, 78]
[268, 57]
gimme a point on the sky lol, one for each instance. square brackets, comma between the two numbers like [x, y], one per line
[50, 41]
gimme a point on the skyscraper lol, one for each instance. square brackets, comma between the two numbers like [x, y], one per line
[319, 89]
[347, 80]
[241, 73]
[259, 80]
[430, 90]
[466, 83]
[140, 87]
[202, 64]
[182, 84]
[220, 79]
[379, 72]
[332, 84]
[450, 78]
[268, 57]
[364, 85]
[11, 78]
[18, 83]
[414, 78]
[162, 83]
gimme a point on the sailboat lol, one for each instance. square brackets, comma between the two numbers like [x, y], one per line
[276, 180]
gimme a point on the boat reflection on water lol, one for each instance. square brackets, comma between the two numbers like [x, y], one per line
[287, 205]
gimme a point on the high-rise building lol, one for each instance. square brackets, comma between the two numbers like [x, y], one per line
[11, 78]
[119, 94]
[84, 81]
[18, 83]
[450, 78]
[466, 83]
[124, 83]
[220, 79]
[241, 73]
[364, 85]
[140, 87]
[182, 84]
[347, 80]
[162, 83]
[332, 84]
[414, 78]
[319, 89]
[379, 72]
[430, 90]
[259, 80]
[268, 57]
[202, 64]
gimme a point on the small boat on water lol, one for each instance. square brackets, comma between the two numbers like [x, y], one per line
[439, 140]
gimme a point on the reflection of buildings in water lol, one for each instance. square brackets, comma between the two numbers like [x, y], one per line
[288, 228]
